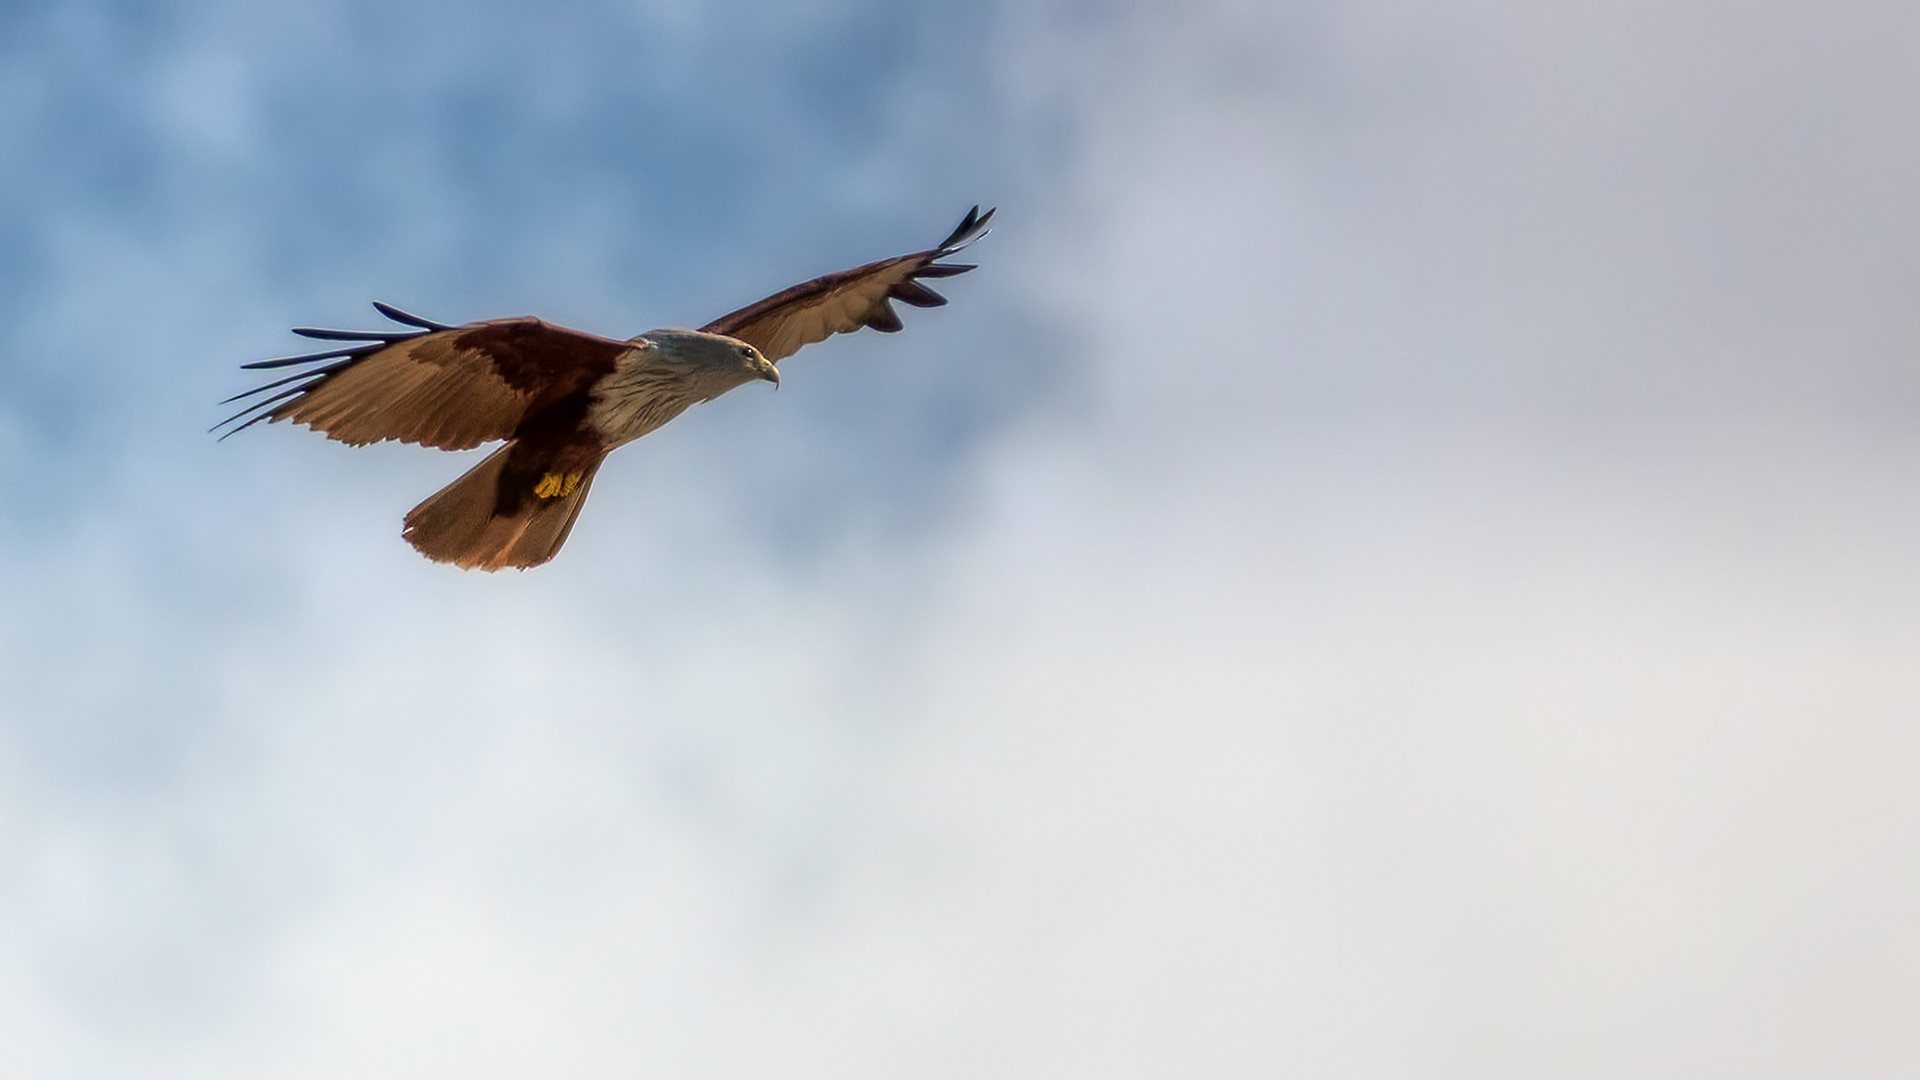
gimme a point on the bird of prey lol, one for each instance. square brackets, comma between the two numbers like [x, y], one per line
[562, 399]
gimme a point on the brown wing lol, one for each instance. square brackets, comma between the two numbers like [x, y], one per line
[453, 387]
[841, 303]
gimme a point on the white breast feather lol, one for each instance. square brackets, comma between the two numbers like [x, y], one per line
[639, 396]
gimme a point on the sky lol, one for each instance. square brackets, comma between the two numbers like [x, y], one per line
[1400, 564]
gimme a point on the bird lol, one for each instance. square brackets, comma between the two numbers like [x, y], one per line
[561, 399]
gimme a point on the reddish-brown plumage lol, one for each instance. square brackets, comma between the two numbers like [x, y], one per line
[843, 302]
[536, 358]
[541, 388]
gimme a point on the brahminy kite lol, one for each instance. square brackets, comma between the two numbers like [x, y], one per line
[562, 399]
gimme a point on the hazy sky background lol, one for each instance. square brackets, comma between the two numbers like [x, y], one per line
[1400, 564]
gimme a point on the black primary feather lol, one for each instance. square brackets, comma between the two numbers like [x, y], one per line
[357, 350]
[327, 370]
[399, 316]
[912, 292]
[971, 228]
[372, 341]
[354, 335]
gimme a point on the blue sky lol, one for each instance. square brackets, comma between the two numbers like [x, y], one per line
[1399, 563]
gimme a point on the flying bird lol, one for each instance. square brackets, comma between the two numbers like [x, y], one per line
[562, 399]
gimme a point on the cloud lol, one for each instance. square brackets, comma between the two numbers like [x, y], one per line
[1397, 564]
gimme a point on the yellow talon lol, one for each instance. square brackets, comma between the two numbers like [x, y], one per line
[556, 485]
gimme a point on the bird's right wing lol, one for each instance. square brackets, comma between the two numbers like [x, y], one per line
[453, 387]
[841, 303]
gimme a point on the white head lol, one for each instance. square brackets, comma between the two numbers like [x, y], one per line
[713, 363]
[663, 372]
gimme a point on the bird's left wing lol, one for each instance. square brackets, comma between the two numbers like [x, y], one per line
[453, 387]
[841, 303]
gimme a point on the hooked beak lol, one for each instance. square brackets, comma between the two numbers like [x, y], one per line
[770, 373]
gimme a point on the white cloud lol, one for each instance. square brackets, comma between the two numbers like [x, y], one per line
[1393, 656]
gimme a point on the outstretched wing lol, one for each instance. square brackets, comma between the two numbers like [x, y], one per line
[453, 387]
[841, 303]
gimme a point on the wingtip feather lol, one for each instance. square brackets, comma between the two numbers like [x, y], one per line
[965, 231]
[971, 228]
[916, 294]
[399, 316]
[264, 411]
[387, 337]
[289, 361]
[885, 319]
[325, 369]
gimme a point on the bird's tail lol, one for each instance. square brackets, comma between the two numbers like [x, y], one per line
[470, 524]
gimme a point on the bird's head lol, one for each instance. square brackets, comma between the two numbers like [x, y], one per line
[717, 362]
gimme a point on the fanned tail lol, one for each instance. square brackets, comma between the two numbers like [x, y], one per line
[462, 523]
